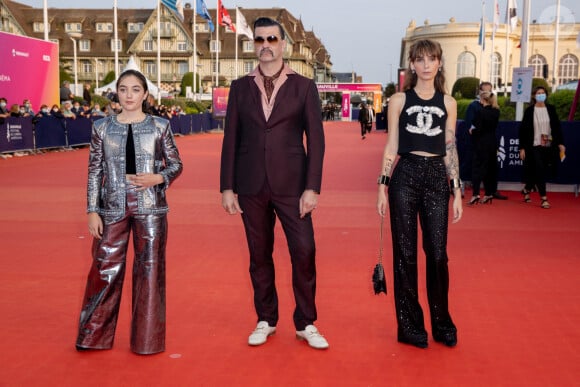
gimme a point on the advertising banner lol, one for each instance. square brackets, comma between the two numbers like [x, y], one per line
[29, 70]
[220, 101]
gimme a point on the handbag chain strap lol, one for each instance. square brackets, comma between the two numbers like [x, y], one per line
[381, 241]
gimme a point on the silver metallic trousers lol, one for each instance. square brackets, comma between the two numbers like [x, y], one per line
[102, 298]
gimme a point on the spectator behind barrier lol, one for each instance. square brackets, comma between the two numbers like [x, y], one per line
[44, 112]
[55, 111]
[3, 109]
[28, 107]
[97, 112]
[66, 110]
[15, 110]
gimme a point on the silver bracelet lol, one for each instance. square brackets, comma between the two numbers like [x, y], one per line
[456, 183]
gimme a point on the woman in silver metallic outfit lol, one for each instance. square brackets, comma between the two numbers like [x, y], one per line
[133, 160]
[422, 137]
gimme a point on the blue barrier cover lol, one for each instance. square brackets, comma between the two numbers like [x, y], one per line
[78, 130]
[49, 132]
[510, 167]
[16, 134]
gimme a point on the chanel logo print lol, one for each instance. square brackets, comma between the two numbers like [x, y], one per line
[425, 120]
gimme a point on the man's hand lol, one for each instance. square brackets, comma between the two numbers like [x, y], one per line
[230, 202]
[308, 202]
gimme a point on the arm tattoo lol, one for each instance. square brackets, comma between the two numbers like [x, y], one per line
[452, 160]
[388, 166]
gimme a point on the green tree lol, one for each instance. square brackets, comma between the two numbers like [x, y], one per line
[110, 77]
[466, 87]
[64, 73]
[390, 89]
[188, 80]
[540, 82]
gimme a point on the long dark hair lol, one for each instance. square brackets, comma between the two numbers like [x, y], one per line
[425, 47]
[142, 81]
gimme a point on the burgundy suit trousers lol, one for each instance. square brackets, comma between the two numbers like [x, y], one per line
[259, 217]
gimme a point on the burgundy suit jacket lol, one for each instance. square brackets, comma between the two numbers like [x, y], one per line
[254, 149]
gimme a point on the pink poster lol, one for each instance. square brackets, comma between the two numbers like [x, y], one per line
[29, 70]
[345, 106]
[220, 101]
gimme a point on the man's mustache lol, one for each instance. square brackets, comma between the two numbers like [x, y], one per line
[263, 50]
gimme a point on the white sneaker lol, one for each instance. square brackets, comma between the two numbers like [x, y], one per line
[314, 338]
[261, 333]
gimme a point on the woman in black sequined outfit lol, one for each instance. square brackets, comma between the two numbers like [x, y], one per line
[422, 142]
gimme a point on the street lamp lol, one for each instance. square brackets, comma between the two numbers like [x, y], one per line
[97, 62]
[199, 66]
[74, 36]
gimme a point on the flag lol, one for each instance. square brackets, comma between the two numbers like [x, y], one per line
[511, 17]
[176, 6]
[495, 16]
[224, 18]
[481, 40]
[242, 25]
[204, 13]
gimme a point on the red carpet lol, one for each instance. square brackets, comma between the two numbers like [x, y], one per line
[515, 272]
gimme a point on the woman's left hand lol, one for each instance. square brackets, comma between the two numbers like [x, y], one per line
[145, 180]
[457, 207]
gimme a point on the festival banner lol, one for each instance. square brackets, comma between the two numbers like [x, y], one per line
[29, 70]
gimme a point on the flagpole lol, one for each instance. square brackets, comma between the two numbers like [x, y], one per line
[217, 43]
[45, 18]
[507, 36]
[116, 44]
[524, 52]
[194, 48]
[482, 29]
[556, 36]
[159, 52]
[493, 28]
[236, 61]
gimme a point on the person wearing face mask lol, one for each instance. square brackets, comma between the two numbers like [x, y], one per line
[77, 109]
[23, 112]
[541, 141]
[44, 112]
[97, 112]
[55, 111]
[28, 107]
[3, 110]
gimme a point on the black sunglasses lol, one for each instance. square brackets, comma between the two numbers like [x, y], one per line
[270, 39]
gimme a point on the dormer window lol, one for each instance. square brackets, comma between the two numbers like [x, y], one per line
[72, 27]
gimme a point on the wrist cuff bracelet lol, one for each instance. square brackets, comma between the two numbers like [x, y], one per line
[383, 179]
[455, 183]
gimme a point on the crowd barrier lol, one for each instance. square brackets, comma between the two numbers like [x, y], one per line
[510, 167]
[21, 134]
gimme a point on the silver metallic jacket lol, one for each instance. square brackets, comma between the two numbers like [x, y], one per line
[155, 152]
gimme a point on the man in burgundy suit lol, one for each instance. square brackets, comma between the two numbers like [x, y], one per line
[267, 172]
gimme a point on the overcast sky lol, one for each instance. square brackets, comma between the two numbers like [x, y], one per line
[365, 35]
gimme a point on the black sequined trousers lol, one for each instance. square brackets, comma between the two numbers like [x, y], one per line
[102, 298]
[419, 189]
